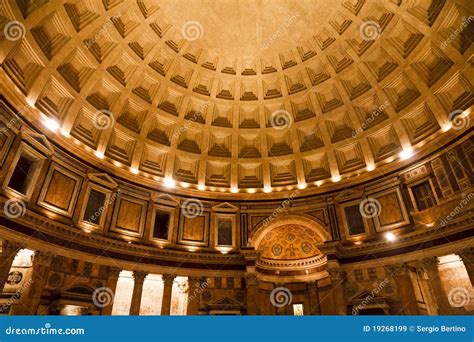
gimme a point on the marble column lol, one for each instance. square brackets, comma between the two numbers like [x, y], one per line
[31, 297]
[9, 251]
[406, 292]
[113, 274]
[314, 308]
[430, 265]
[251, 256]
[138, 280]
[252, 286]
[168, 280]
[196, 287]
[338, 279]
[467, 257]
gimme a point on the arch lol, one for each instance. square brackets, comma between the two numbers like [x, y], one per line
[304, 220]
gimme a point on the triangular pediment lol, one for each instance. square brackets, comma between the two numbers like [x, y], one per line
[226, 301]
[103, 179]
[225, 207]
[348, 194]
[38, 141]
[165, 199]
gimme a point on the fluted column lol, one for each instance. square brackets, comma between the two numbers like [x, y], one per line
[113, 274]
[138, 280]
[430, 265]
[9, 251]
[314, 308]
[400, 274]
[467, 257]
[338, 279]
[30, 299]
[195, 290]
[168, 280]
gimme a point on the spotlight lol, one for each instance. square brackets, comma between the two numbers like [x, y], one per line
[234, 190]
[406, 153]
[99, 154]
[301, 185]
[370, 167]
[51, 124]
[134, 170]
[267, 189]
[201, 187]
[169, 182]
[390, 236]
[336, 178]
[251, 191]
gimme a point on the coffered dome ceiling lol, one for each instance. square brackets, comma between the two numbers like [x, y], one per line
[240, 96]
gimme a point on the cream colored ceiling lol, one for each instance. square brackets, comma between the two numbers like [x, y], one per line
[247, 60]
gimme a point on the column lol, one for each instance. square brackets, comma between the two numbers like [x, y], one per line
[338, 279]
[194, 295]
[9, 251]
[401, 276]
[31, 296]
[139, 279]
[251, 255]
[313, 295]
[430, 265]
[467, 257]
[113, 274]
[252, 286]
[168, 280]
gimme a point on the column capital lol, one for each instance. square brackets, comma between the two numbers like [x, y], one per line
[336, 274]
[168, 279]
[10, 248]
[397, 269]
[139, 276]
[113, 272]
[429, 263]
[467, 255]
[42, 258]
[251, 279]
